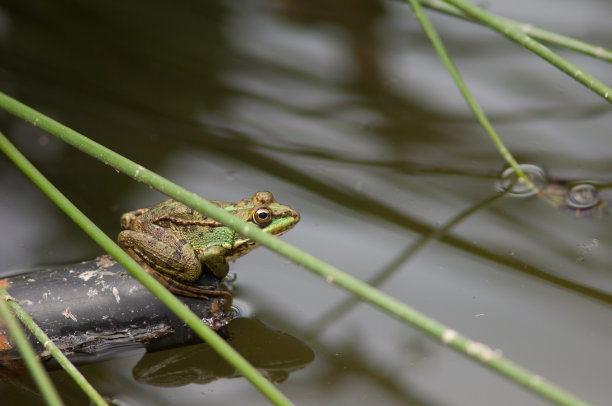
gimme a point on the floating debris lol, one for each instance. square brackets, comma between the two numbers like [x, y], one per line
[580, 197]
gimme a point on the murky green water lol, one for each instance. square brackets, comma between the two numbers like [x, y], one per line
[345, 113]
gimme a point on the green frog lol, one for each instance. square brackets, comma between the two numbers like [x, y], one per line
[175, 243]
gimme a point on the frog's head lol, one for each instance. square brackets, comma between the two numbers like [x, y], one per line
[265, 212]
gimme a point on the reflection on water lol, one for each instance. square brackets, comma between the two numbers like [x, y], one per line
[272, 352]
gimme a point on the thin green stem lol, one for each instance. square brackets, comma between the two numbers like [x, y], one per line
[517, 35]
[53, 350]
[436, 42]
[550, 37]
[478, 351]
[37, 371]
[338, 311]
[207, 334]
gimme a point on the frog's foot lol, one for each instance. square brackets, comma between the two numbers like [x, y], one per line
[187, 289]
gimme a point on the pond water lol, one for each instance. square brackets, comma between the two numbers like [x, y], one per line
[344, 112]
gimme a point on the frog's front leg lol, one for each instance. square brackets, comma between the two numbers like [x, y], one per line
[214, 259]
[162, 252]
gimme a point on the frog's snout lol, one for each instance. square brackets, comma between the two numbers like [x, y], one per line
[296, 216]
[292, 215]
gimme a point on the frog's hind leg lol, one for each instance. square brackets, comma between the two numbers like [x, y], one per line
[174, 257]
[164, 252]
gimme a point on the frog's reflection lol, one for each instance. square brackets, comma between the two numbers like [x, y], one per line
[272, 352]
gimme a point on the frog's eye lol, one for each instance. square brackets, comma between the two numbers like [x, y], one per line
[262, 216]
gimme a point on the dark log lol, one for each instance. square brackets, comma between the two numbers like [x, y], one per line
[95, 306]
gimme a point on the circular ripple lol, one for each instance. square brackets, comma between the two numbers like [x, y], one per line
[510, 180]
[583, 196]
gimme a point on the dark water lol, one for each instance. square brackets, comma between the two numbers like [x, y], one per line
[343, 111]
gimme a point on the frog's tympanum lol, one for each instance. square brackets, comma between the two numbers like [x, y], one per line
[175, 243]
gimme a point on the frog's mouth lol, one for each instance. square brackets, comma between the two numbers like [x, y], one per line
[282, 221]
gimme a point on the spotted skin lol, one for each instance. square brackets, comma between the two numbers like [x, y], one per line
[175, 243]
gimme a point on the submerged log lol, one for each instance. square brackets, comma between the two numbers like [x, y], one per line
[94, 306]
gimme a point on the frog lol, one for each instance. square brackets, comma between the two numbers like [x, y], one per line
[175, 243]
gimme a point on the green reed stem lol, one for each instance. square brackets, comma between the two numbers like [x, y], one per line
[205, 332]
[473, 349]
[64, 362]
[513, 32]
[338, 311]
[436, 42]
[34, 365]
[550, 37]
